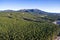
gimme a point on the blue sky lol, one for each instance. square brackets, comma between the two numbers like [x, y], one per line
[45, 5]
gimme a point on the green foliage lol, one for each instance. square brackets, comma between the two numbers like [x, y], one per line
[16, 28]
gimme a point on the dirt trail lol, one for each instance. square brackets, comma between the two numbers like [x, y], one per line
[58, 38]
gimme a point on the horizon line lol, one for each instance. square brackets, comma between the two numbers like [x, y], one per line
[26, 9]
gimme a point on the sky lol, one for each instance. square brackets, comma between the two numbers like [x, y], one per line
[45, 5]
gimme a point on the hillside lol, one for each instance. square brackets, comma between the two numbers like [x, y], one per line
[37, 12]
[23, 25]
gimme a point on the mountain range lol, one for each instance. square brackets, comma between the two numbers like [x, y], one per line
[33, 11]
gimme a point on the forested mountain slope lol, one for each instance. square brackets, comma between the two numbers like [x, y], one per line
[18, 25]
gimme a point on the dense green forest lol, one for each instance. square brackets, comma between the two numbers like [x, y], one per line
[26, 26]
